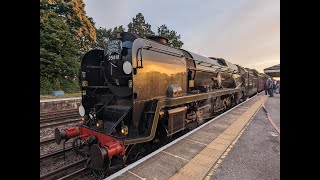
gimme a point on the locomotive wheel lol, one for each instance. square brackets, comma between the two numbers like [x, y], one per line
[238, 98]
[224, 104]
[136, 152]
[99, 173]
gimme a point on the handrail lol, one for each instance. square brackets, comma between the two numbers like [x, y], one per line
[141, 66]
[120, 119]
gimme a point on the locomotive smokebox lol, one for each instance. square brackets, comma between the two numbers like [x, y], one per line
[159, 39]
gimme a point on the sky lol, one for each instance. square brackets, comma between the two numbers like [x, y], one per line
[244, 32]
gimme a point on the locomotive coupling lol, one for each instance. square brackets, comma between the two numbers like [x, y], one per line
[98, 154]
[66, 133]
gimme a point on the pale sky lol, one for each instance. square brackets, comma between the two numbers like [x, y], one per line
[245, 32]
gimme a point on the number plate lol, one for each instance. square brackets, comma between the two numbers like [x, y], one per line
[114, 57]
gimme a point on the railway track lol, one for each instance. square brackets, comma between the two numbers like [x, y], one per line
[55, 153]
[62, 117]
[64, 113]
[67, 114]
[59, 123]
[48, 114]
[51, 119]
[46, 142]
[69, 171]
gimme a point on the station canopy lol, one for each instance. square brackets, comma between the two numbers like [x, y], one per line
[273, 71]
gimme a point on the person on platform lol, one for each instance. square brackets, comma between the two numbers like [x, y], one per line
[274, 86]
[278, 87]
[266, 86]
[270, 87]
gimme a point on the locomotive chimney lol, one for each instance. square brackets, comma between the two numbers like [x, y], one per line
[159, 39]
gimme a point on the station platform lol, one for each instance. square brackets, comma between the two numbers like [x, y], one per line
[198, 154]
[256, 155]
[60, 99]
[59, 104]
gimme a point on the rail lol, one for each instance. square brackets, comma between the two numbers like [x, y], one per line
[66, 171]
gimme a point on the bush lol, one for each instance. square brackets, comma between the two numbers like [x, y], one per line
[45, 86]
[66, 85]
[70, 86]
[56, 85]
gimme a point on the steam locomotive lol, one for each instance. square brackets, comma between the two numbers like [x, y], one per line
[139, 93]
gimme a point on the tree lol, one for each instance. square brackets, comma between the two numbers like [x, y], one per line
[139, 26]
[103, 35]
[59, 56]
[174, 39]
[73, 14]
[59, 50]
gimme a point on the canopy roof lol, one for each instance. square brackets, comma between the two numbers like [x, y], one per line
[273, 71]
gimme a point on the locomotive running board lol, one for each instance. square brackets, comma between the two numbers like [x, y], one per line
[169, 102]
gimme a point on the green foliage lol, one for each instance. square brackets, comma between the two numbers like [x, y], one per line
[73, 14]
[67, 85]
[103, 35]
[59, 51]
[56, 85]
[174, 39]
[139, 26]
[60, 48]
[45, 86]
[70, 86]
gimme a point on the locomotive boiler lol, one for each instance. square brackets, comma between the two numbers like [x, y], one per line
[140, 91]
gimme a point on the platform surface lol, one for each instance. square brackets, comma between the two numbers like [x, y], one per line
[256, 155]
[195, 155]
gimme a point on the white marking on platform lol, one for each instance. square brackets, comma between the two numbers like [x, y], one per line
[195, 141]
[137, 176]
[174, 155]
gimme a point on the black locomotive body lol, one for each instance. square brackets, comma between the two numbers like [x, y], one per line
[139, 90]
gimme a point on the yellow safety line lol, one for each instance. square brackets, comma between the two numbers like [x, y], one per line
[200, 165]
[217, 164]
